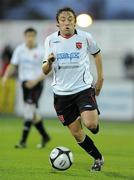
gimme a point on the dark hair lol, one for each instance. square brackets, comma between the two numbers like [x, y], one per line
[65, 9]
[30, 30]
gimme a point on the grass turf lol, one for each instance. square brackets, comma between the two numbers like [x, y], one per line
[115, 140]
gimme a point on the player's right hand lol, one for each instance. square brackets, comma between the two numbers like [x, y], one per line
[51, 58]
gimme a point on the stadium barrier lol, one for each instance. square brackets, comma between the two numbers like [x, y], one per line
[116, 100]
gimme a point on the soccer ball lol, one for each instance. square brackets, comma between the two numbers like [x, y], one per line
[61, 158]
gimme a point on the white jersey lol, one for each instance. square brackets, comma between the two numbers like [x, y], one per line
[29, 61]
[72, 65]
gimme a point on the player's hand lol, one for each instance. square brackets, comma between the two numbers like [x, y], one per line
[98, 86]
[30, 84]
[51, 58]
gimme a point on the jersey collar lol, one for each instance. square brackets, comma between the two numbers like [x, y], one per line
[75, 32]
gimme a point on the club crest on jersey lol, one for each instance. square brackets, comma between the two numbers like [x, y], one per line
[78, 45]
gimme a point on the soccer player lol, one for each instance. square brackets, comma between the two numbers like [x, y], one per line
[67, 53]
[28, 58]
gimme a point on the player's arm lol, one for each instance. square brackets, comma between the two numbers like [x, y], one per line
[99, 69]
[47, 64]
[9, 72]
[40, 78]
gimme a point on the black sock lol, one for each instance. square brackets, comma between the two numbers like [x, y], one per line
[39, 126]
[95, 131]
[90, 148]
[26, 130]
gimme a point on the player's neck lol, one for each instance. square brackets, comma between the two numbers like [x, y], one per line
[31, 46]
[67, 36]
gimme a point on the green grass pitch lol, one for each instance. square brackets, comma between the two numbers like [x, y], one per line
[115, 140]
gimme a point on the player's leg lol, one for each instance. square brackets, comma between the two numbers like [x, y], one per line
[77, 130]
[28, 113]
[28, 120]
[89, 109]
[38, 122]
[83, 140]
[37, 90]
[89, 114]
[90, 120]
[68, 113]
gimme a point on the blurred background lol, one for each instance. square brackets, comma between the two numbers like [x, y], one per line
[113, 28]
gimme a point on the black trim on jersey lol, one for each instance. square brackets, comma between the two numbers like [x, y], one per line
[83, 77]
[55, 76]
[75, 32]
[96, 52]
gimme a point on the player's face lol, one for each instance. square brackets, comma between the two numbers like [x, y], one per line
[30, 39]
[66, 23]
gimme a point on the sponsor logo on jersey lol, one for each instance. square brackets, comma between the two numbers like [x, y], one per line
[72, 55]
[78, 45]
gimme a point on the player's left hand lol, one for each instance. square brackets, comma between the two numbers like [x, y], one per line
[98, 86]
[31, 84]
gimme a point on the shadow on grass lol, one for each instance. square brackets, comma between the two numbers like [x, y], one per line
[61, 173]
[118, 175]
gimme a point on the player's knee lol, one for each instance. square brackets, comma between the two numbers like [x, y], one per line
[37, 117]
[90, 125]
[94, 129]
[29, 110]
[27, 125]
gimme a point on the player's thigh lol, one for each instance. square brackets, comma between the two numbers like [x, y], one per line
[36, 93]
[32, 95]
[88, 108]
[76, 129]
[66, 110]
[90, 118]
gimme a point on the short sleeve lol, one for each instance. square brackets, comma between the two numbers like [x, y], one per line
[93, 48]
[15, 57]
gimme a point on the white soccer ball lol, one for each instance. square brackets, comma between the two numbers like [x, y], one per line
[61, 158]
